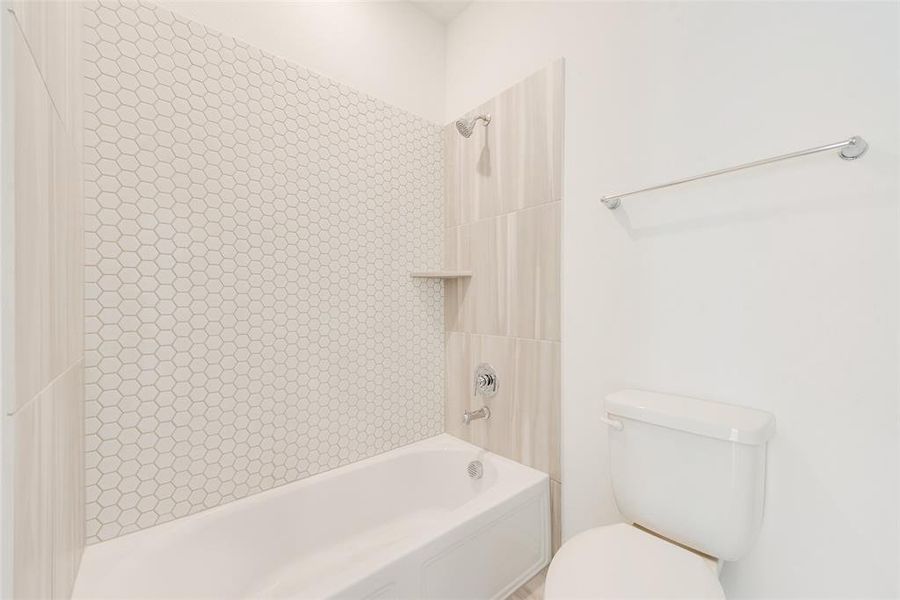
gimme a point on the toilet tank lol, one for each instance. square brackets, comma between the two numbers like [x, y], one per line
[690, 470]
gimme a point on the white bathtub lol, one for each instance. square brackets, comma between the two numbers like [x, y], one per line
[410, 523]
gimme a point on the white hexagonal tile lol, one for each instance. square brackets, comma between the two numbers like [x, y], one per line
[250, 229]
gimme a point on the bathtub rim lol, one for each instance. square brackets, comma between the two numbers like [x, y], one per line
[528, 482]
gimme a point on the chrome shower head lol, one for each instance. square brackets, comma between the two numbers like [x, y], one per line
[465, 127]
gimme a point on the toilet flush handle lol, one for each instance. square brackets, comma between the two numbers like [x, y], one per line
[617, 425]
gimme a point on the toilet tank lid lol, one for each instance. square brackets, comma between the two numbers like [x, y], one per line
[701, 417]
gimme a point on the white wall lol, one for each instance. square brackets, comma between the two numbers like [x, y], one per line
[390, 50]
[776, 288]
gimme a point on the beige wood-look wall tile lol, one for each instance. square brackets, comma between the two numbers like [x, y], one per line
[457, 247]
[507, 123]
[60, 242]
[453, 289]
[484, 149]
[32, 20]
[524, 423]
[506, 191]
[534, 167]
[471, 175]
[74, 104]
[48, 32]
[535, 437]
[497, 434]
[534, 272]
[32, 174]
[453, 172]
[64, 400]
[458, 389]
[514, 163]
[52, 31]
[557, 92]
[484, 305]
[55, 60]
[74, 256]
[468, 151]
[31, 508]
[451, 262]
[555, 515]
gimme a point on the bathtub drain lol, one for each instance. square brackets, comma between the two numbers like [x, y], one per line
[475, 469]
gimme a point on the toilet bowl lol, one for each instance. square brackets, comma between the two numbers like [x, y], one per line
[622, 561]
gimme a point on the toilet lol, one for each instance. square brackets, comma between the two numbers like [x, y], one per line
[689, 478]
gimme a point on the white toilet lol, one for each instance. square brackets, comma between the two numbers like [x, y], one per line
[690, 475]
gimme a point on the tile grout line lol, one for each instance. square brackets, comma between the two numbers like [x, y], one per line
[37, 67]
[505, 214]
[500, 335]
[47, 387]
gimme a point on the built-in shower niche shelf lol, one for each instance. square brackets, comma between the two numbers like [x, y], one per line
[440, 274]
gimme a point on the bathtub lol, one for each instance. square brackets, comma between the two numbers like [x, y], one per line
[410, 523]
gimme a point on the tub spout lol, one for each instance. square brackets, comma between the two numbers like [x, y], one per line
[473, 415]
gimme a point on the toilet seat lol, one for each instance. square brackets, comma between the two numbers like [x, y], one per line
[622, 561]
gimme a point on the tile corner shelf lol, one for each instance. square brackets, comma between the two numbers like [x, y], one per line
[440, 274]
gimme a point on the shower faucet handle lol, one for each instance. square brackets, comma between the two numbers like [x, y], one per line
[486, 382]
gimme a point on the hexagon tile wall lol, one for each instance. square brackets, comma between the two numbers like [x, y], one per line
[250, 228]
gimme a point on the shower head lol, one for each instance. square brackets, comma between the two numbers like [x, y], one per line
[465, 127]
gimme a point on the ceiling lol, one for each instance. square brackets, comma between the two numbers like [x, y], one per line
[443, 11]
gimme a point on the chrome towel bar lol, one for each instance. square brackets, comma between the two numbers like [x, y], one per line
[849, 150]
